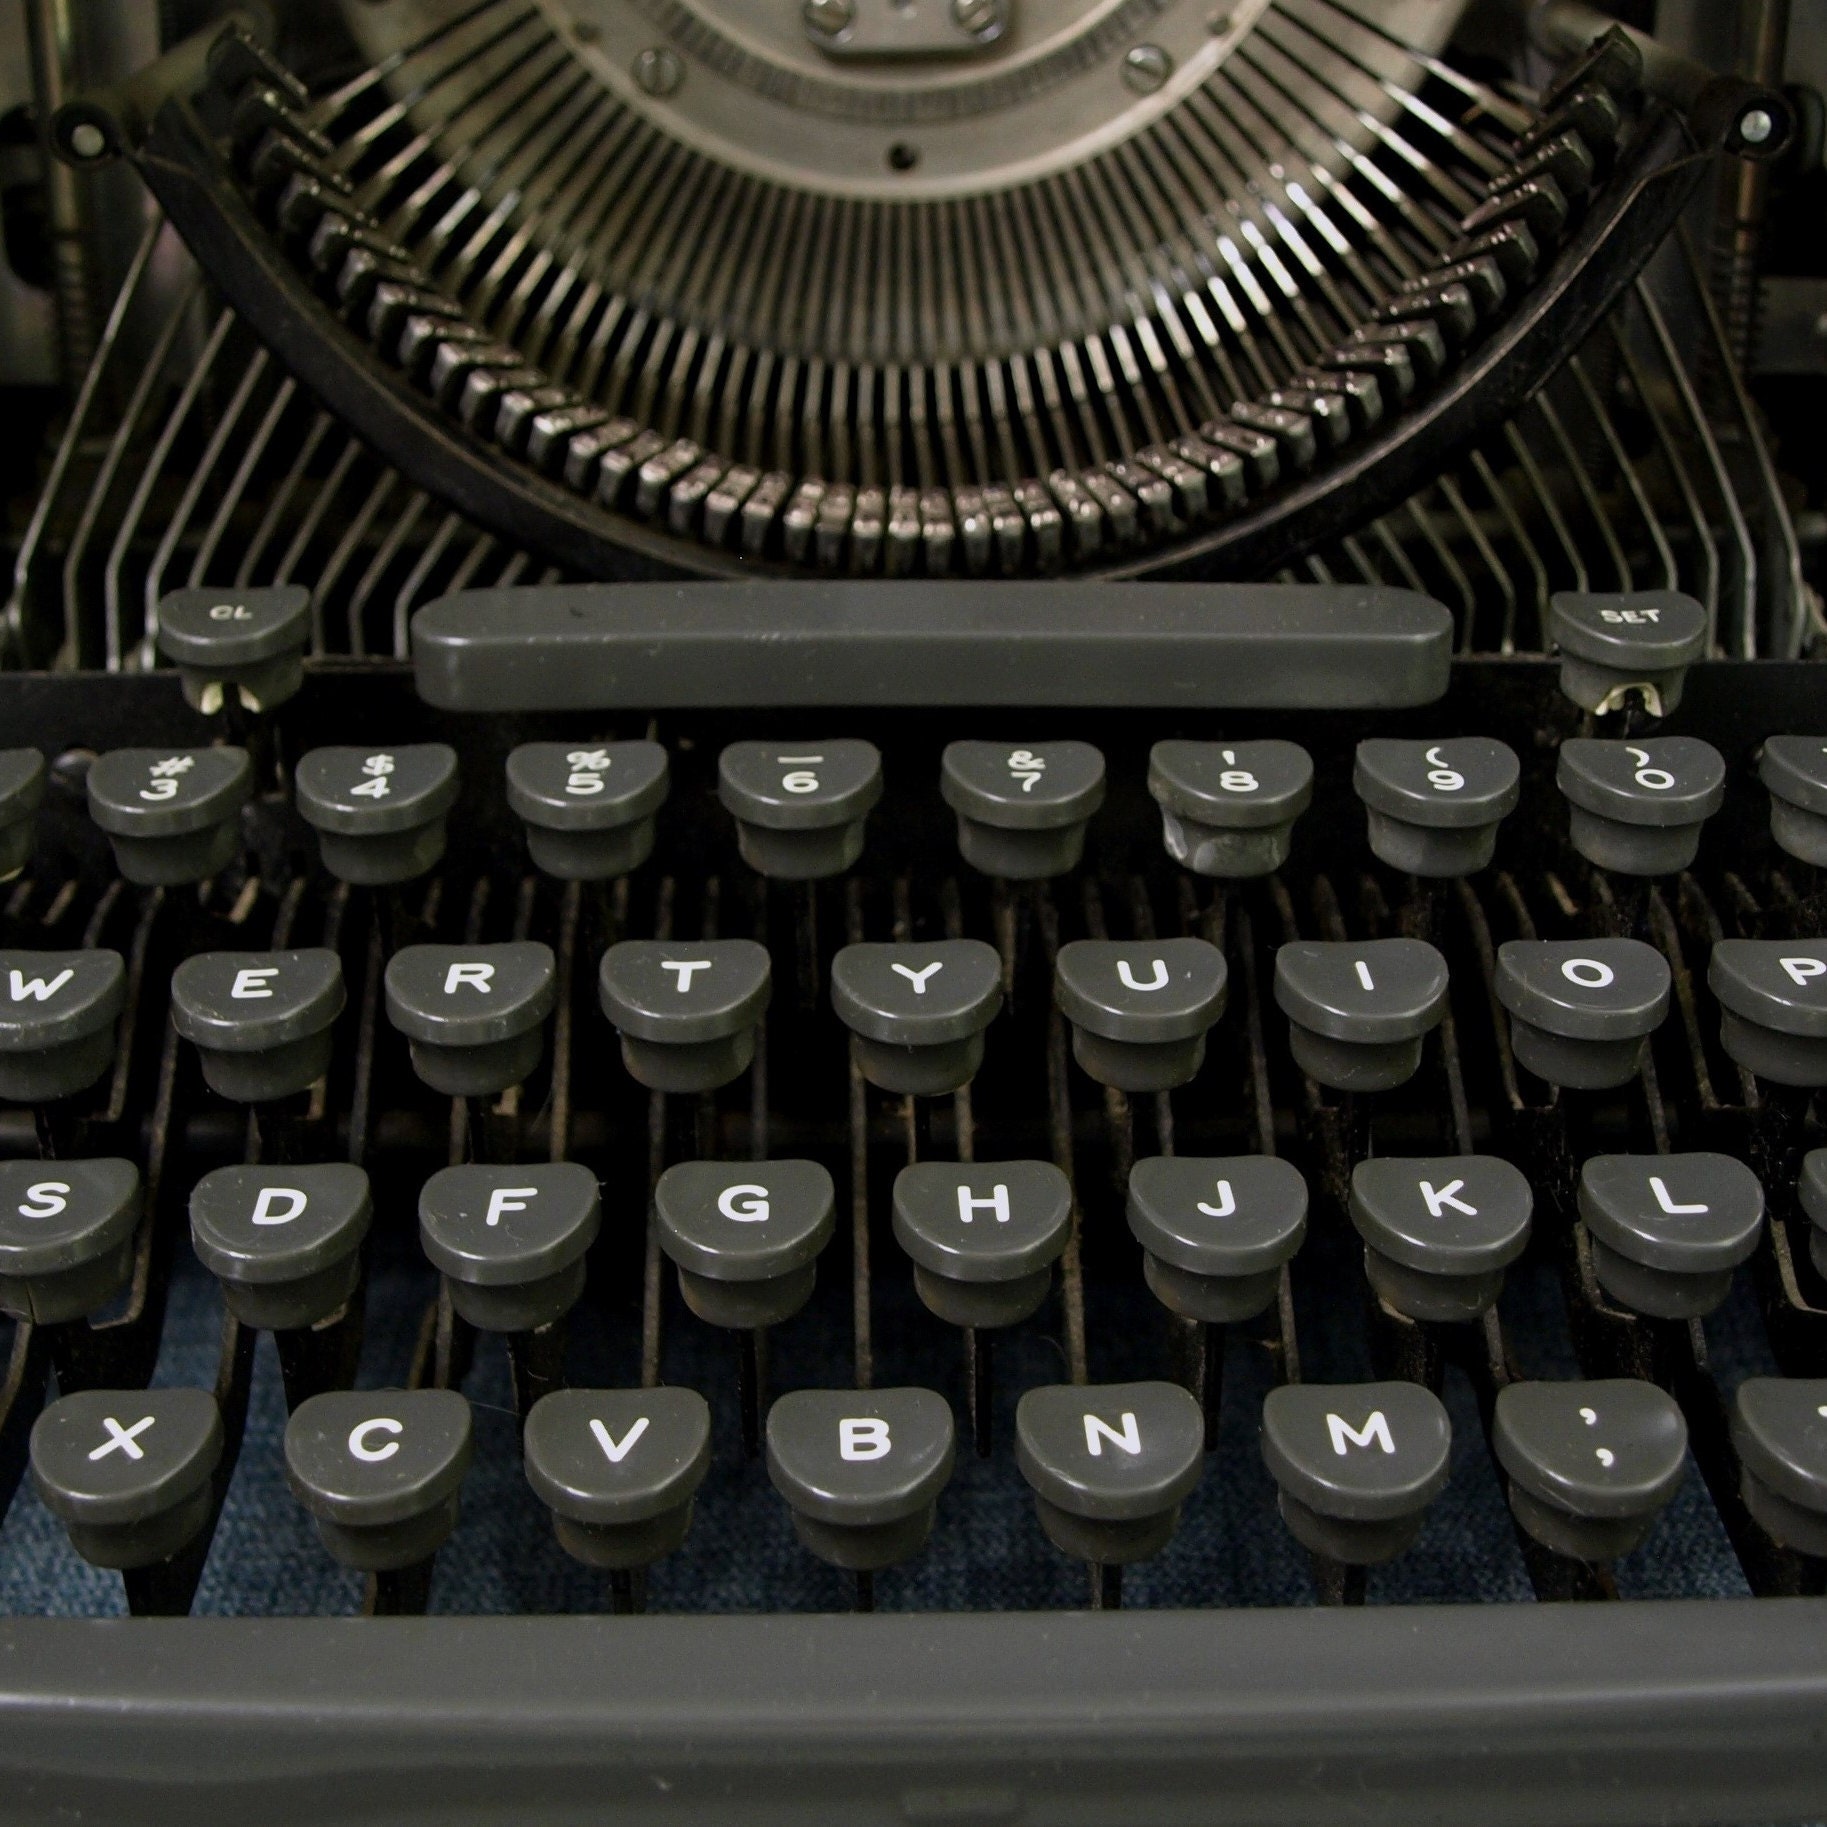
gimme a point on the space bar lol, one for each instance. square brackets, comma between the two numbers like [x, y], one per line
[787, 645]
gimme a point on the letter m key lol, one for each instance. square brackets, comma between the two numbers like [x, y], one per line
[1345, 1436]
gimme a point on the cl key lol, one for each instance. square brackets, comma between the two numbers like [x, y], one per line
[690, 1014]
[474, 1015]
[1637, 807]
[1434, 807]
[66, 1236]
[1357, 1464]
[588, 812]
[1228, 808]
[1591, 1465]
[171, 815]
[1772, 996]
[1140, 1010]
[1439, 1232]
[1668, 1230]
[379, 814]
[800, 811]
[1022, 812]
[58, 1012]
[918, 1012]
[262, 1022]
[1358, 1013]
[251, 642]
[1582, 1010]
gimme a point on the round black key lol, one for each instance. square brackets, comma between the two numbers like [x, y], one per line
[1582, 1010]
[284, 1242]
[1358, 1011]
[861, 1470]
[1779, 1431]
[1591, 1465]
[1434, 807]
[1216, 1231]
[1813, 1195]
[800, 807]
[618, 1469]
[983, 1239]
[1439, 1231]
[588, 811]
[58, 1012]
[250, 641]
[1794, 768]
[127, 1471]
[688, 1013]
[1110, 1465]
[1228, 808]
[474, 1014]
[379, 813]
[745, 1236]
[379, 1470]
[918, 1011]
[1614, 645]
[1637, 807]
[1772, 996]
[510, 1241]
[66, 1236]
[171, 815]
[1668, 1230]
[1022, 812]
[262, 1022]
[22, 777]
[1140, 1008]
[1357, 1464]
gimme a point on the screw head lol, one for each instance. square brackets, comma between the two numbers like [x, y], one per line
[87, 140]
[1755, 126]
[659, 71]
[978, 17]
[1146, 67]
[1820, 328]
[829, 17]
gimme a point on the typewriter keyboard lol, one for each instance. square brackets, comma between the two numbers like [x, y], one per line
[946, 1160]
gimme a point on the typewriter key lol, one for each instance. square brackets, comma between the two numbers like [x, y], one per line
[1140, 1009]
[58, 1013]
[262, 1022]
[1582, 1010]
[1794, 768]
[1022, 812]
[1357, 1464]
[1813, 1194]
[247, 641]
[688, 1013]
[1440, 1231]
[283, 1242]
[919, 1012]
[1434, 807]
[66, 1236]
[379, 813]
[800, 809]
[1591, 1465]
[1359, 1011]
[1637, 808]
[1614, 645]
[474, 1014]
[1228, 809]
[171, 815]
[128, 1471]
[1779, 1431]
[1668, 1230]
[22, 777]
[1216, 1231]
[588, 811]
[1772, 996]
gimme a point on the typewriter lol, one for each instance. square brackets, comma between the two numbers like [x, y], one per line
[914, 911]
